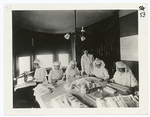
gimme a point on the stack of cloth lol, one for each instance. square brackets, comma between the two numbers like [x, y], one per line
[69, 84]
[118, 86]
[67, 100]
[83, 85]
[42, 89]
[24, 84]
[121, 101]
[109, 90]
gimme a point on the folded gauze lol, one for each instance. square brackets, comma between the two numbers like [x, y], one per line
[100, 103]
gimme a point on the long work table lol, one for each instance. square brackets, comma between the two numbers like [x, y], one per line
[45, 100]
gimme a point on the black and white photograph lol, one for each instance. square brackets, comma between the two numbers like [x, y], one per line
[77, 56]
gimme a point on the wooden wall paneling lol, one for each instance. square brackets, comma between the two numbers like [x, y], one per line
[101, 54]
[107, 39]
[111, 46]
[99, 49]
[105, 51]
[32, 57]
[129, 25]
[13, 55]
[73, 47]
[117, 34]
[17, 66]
[134, 66]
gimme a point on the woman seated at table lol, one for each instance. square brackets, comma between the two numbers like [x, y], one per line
[72, 70]
[56, 73]
[99, 70]
[124, 76]
[40, 73]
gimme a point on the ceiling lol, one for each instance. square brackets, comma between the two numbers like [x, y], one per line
[58, 21]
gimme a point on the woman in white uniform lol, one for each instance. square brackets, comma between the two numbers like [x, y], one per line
[40, 73]
[99, 69]
[86, 62]
[56, 73]
[72, 71]
[124, 76]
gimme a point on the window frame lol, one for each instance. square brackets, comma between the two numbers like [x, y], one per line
[46, 54]
[19, 71]
[60, 61]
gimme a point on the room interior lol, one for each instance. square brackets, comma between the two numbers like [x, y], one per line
[107, 33]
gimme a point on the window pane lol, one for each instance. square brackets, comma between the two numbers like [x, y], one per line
[63, 58]
[24, 64]
[46, 60]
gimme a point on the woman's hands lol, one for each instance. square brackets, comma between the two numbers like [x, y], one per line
[101, 80]
[83, 73]
[111, 81]
[91, 75]
[64, 78]
[78, 76]
[130, 90]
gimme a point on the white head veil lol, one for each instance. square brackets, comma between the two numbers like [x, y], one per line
[70, 64]
[120, 64]
[56, 63]
[98, 61]
[37, 61]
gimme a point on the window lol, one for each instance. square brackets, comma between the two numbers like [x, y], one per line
[63, 58]
[24, 64]
[46, 60]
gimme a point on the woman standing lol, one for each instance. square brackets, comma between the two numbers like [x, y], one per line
[87, 62]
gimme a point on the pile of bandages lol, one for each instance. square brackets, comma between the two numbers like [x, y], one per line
[109, 90]
[41, 89]
[118, 86]
[121, 101]
[84, 85]
[67, 100]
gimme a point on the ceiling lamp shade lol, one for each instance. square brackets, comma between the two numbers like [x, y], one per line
[83, 38]
[67, 36]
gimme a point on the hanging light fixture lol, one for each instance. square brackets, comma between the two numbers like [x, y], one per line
[82, 37]
[68, 35]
